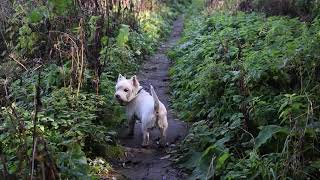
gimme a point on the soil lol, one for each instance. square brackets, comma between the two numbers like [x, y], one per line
[154, 162]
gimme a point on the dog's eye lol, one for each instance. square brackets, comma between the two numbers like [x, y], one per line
[126, 90]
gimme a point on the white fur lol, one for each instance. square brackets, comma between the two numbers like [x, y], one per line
[142, 106]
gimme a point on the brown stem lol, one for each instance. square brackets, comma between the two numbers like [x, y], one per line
[33, 156]
[4, 164]
[37, 102]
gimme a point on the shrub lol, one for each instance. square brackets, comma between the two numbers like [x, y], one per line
[59, 63]
[249, 84]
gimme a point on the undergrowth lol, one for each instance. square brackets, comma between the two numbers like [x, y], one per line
[59, 62]
[250, 86]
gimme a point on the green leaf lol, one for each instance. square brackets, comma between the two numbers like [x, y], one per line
[41, 127]
[267, 132]
[35, 16]
[221, 160]
[192, 159]
[315, 164]
[123, 36]
[60, 6]
[104, 40]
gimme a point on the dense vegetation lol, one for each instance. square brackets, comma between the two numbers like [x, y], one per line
[58, 63]
[250, 85]
[247, 80]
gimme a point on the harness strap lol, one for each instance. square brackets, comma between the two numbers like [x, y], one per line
[139, 91]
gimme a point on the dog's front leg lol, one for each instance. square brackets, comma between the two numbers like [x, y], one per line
[145, 133]
[146, 138]
[132, 122]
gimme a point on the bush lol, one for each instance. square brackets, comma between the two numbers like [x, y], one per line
[58, 68]
[305, 9]
[249, 84]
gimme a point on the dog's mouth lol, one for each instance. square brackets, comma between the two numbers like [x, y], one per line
[121, 102]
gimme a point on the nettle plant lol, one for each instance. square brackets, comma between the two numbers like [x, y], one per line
[250, 85]
[58, 116]
[69, 126]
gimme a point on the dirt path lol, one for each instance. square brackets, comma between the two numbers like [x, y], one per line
[154, 163]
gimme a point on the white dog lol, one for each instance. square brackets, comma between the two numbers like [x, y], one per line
[140, 105]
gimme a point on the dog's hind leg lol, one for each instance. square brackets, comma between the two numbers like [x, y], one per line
[163, 133]
[162, 124]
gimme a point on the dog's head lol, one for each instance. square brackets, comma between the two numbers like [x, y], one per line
[126, 89]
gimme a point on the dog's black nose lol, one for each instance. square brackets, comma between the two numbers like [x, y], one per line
[117, 96]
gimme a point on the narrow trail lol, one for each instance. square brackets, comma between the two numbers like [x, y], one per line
[154, 163]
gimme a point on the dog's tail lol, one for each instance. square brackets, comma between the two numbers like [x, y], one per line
[155, 99]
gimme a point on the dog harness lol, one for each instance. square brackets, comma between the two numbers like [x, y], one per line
[139, 91]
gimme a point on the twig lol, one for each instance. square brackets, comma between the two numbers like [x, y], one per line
[68, 35]
[37, 68]
[33, 156]
[211, 167]
[12, 56]
[249, 134]
[82, 57]
[43, 170]
[35, 119]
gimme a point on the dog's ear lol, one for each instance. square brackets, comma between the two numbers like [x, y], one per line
[135, 81]
[120, 77]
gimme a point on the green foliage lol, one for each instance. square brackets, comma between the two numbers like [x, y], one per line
[123, 36]
[250, 85]
[125, 52]
[60, 6]
[100, 167]
[35, 16]
[73, 163]
[70, 55]
[151, 21]
[303, 8]
[266, 133]
[27, 39]
[72, 123]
